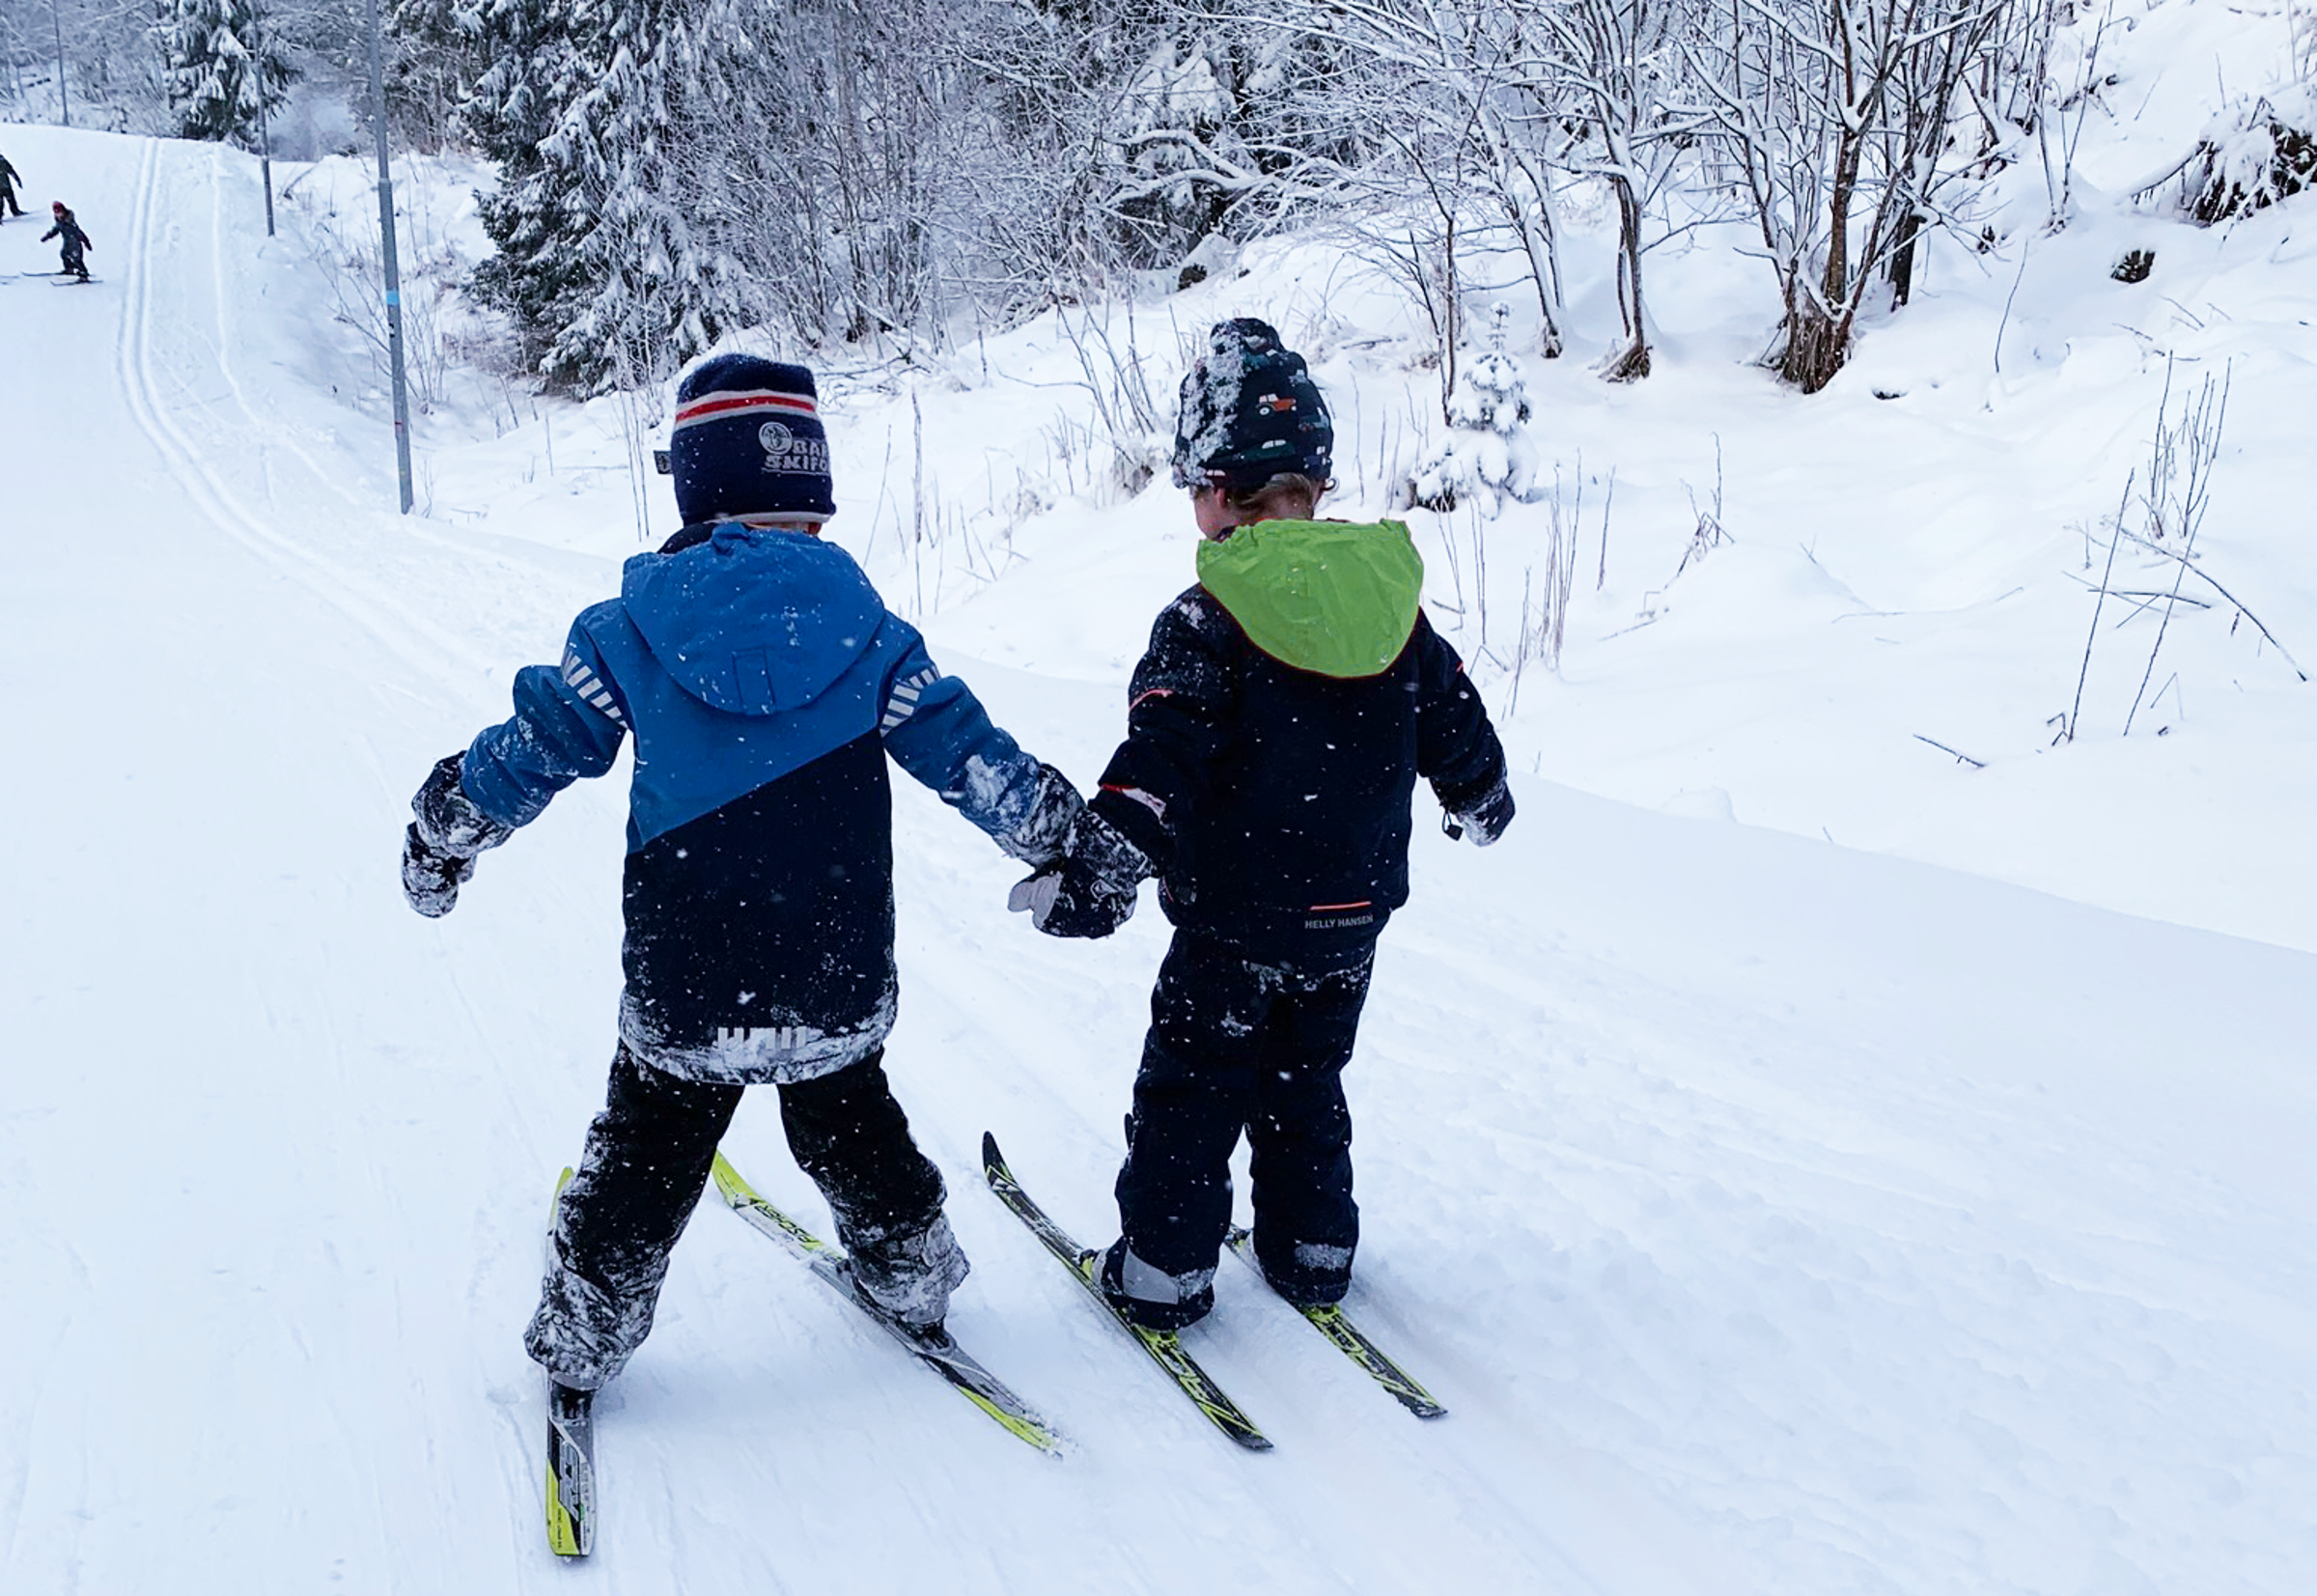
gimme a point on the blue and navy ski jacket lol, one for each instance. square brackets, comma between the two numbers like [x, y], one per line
[764, 683]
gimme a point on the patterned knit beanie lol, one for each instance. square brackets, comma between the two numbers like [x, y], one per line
[1249, 410]
[748, 441]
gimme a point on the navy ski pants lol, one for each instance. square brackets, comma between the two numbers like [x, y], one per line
[1235, 1044]
[648, 1158]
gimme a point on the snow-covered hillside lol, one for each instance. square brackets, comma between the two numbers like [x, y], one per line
[1904, 1189]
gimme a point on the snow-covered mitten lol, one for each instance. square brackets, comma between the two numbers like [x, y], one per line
[1090, 890]
[1482, 819]
[1043, 831]
[439, 848]
[430, 879]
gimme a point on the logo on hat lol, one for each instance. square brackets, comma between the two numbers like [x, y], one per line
[786, 451]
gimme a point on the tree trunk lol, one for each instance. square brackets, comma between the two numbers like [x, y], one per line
[1632, 361]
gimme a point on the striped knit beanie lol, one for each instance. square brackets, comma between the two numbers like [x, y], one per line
[748, 441]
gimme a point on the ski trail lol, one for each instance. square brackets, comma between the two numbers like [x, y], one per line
[269, 431]
[394, 625]
[1041, 1031]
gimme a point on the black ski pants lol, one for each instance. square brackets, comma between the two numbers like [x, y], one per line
[1261, 1045]
[648, 1157]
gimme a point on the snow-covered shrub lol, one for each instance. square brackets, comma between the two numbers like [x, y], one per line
[1489, 458]
[2252, 157]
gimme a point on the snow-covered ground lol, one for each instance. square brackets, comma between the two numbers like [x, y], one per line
[1904, 1189]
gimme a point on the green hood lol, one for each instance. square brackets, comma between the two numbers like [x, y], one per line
[1336, 598]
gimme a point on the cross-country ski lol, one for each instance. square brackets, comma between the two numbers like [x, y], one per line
[931, 1344]
[571, 1487]
[1165, 1347]
[1331, 1321]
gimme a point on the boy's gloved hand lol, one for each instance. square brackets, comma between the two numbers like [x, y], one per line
[430, 879]
[1089, 891]
[1482, 819]
[1043, 832]
[439, 848]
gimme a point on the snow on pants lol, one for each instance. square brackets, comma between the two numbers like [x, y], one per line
[1235, 1044]
[647, 1161]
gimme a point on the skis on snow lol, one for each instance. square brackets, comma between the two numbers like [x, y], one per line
[571, 1447]
[932, 1345]
[1164, 1346]
[1350, 1340]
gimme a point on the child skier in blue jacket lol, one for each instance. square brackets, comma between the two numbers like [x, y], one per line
[1275, 730]
[766, 685]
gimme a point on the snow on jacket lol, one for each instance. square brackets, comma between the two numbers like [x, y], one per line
[764, 683]
[1275, 729]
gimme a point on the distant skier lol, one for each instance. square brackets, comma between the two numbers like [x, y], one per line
[76, 245]
[10, 176]
[1275, 729]
[766, 685]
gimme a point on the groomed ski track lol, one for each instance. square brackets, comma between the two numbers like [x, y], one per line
[1770, 1218]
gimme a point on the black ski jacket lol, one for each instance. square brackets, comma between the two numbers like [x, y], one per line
[1274, 801]
[75, 240]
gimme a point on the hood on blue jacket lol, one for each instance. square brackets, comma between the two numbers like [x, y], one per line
[753, 621]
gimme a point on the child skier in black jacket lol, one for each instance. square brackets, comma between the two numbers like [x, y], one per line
[1275, 729]
[76, 243]
[765, 686]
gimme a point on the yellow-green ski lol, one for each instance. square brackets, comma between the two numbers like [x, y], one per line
[570, 1449]
[1164, 1346]
[1351, 1341]
[934, 1346]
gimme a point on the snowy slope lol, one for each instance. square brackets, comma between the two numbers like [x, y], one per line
[1772, 1216]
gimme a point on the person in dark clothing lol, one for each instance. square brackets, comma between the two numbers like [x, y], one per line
[10, 176]
[75, 244]
[766, 685]
[1275, 730]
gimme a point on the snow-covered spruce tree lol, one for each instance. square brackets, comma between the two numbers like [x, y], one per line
[1489, 458]
[216, 63]
[655, 291]
[534, 65]
[433, 60]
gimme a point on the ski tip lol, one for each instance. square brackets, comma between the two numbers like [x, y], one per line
[992, 1161]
